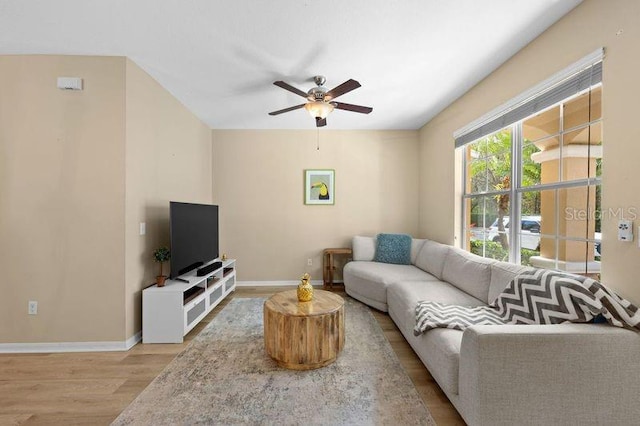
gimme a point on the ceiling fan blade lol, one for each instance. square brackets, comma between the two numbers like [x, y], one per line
[321, 122]
[287, 86]
[345, 87]
[354, 108]
[281, 111]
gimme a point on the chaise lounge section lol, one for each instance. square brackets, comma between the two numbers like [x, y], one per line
[501, 374]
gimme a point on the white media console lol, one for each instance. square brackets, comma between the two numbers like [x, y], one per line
[171, 311]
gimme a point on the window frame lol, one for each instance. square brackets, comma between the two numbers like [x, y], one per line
[516, 189]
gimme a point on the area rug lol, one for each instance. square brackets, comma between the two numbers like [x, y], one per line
[225, 377]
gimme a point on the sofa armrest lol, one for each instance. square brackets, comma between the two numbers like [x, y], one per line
[549, 374]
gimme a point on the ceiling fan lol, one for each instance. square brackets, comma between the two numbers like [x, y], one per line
[320, 101]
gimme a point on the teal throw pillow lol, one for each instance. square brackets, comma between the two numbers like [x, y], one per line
[393, 248]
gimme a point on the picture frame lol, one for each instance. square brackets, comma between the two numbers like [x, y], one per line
[319, 187]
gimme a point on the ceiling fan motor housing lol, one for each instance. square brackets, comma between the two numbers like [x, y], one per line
[316, 94]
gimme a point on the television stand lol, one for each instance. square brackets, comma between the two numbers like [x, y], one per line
[171, 311]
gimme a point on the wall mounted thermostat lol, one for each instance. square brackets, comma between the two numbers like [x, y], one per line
[69, 83]
[625, 230]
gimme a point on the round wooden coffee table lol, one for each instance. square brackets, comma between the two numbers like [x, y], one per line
[304, 335]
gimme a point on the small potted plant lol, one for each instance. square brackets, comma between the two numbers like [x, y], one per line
[161, 255]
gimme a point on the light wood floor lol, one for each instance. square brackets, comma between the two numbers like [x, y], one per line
[93, 388]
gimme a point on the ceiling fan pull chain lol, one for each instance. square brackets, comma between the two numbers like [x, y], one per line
[318, 140]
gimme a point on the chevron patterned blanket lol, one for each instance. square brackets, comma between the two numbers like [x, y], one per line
[539, 296]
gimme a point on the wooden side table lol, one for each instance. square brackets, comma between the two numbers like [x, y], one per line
[327, 264]
[304, 335]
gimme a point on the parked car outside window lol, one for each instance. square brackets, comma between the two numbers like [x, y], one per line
[529, 233]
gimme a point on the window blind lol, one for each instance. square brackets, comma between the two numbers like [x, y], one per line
[529, 103]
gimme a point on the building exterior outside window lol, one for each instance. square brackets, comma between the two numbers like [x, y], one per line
[532, 188]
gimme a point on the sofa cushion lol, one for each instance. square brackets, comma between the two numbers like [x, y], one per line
[364, 248]
[468, 272]
[501, 275]
[371, 279]
[431, 257]
[403, 296]
[393, 248]
[438, 349]
[416, 246]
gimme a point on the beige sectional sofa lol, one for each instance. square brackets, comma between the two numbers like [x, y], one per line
[501, 374]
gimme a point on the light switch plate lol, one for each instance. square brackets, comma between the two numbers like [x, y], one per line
[143, 228]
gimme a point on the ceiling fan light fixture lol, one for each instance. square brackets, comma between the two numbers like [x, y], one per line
[318, 109]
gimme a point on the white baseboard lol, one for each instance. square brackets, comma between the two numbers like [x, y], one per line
[273, 283]
[71, 346]
[133, 340]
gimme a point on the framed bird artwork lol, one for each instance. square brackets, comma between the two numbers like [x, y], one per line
[319, 187]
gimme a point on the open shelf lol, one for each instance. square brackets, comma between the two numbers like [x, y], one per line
[191, 294]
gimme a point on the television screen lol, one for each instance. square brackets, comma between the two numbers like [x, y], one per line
[194, 236]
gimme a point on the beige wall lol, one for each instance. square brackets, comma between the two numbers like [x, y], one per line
[168, 157]
[78, 172]
[591, 25]
[258, 183]
[61, 199]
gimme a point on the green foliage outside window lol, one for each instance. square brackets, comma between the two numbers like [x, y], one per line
[494, 250]
[491, 163]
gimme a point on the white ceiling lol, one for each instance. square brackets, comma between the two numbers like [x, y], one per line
[220, 58]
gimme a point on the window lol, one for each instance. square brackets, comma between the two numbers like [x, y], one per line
[537, 166]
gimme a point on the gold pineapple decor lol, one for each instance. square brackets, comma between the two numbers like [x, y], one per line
[305, 289]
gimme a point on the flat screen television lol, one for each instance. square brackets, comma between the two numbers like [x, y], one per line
[194, 236]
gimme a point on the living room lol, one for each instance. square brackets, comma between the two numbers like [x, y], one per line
[82, 171]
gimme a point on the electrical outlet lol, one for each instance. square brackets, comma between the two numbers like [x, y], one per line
[309, 262]
[33, 307]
